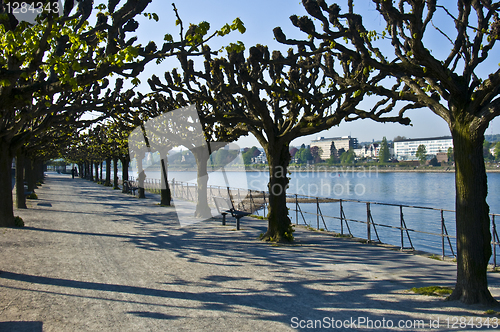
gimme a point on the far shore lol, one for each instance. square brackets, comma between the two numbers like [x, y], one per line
[328, 169]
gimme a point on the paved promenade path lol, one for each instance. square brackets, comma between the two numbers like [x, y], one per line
[93, 259]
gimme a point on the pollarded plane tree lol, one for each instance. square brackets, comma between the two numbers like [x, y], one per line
[59, 54]
[95, 155]
[177, 92]
[74, 152]
[90, 152]
[215, 135]
[82, 145]
[121, 119]
[120, 133]
[117, 144]
[127, 137]
[41, 147]
[41, 136]
[58, 141]
[22, 160]
[50, 147]
[105, 143]
[459, 83]
[162, 135]
[66, 110]
[125, 120]
[108, 154]
[63, 52]
[280, 98]
[98, 150]
[177, 119]
[195, 37]
[65, 119]
[170, 130]
[55, 55]
[96, 139]
[122, 123]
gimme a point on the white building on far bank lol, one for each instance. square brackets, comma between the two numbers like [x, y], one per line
[371, 151]
[406, 149]
[368, 151]
[260, 159]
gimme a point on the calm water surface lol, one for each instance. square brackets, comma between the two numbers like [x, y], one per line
[422, 189]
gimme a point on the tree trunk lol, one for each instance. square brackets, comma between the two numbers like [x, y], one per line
[6, 204]
[473, 222]
[279, 224]
[140, 178]
[96, 166]
[125, 160]
[91, 171]
[202, 209]
[115, 173]
[165, 193]
[100, 171]
[20, 198]
[108, 172]
[40, 167]
[30, 173]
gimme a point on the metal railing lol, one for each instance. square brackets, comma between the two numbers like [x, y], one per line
[308, 210]
[246, 200]
[344, 228]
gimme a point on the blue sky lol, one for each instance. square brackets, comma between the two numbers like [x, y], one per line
[260, 17]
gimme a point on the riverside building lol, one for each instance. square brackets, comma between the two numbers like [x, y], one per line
[406, 149]
[330, 146]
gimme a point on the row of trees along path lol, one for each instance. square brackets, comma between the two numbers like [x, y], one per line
[279, 98]
[323, 79]
[54, 71]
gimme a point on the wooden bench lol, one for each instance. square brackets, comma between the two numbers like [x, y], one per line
[130, 187]
[225, 206]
